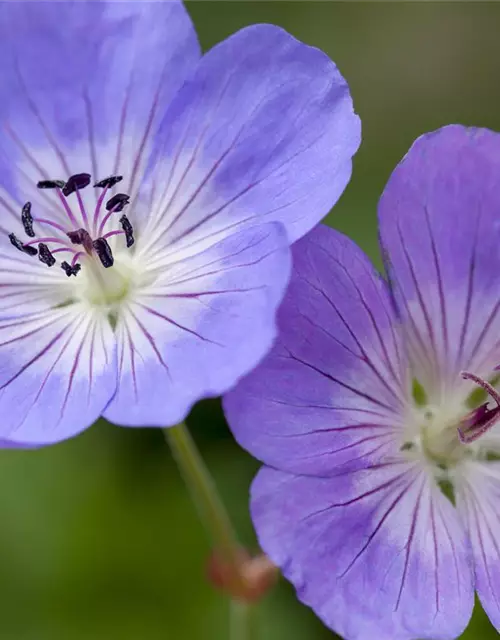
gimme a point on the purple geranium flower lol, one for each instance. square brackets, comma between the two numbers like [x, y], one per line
[381, 498]
[149, 196]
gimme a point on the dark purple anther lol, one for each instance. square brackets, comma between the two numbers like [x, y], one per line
[27, 220]
[479, 420]
[81, 236]
[50, 184]
[117, 202]
[103, 250]
[109, 182]
[31, 251]
[78, 181]
[70, 270]
[45, 255]
[127, 228]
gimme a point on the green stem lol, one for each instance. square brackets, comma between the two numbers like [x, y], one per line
[241, 627]
[204, 494]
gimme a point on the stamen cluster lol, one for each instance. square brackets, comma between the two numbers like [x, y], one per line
[90, 237]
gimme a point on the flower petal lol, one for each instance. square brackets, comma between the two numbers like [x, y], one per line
[377, 553]
[263, 131]
[57, 373]
[203, 324]
[478, 500]
[440, 230]
[83, 86]
[333, 389]
[27, 285]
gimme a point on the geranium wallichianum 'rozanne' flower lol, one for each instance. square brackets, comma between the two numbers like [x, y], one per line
[148, 196]
[381, 498]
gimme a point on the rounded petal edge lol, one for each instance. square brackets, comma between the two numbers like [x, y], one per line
[376, 553]
[265, 131]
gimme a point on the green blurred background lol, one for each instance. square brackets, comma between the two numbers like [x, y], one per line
[98, 540]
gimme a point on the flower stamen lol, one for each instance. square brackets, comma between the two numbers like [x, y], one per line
[110, 234]
[108, 182]
[51, 239]
[67, 208]
[70, 270]
[27, 220]
[479, 420]
[82, 234]
[75, 183]
[50, 184]
[118, 206]
[103, 250]
[45, 255]
[117, 202]
[64, 249]
[98, 208]
[105, 184]
[76, 257]
[25, 248]
[128, 230]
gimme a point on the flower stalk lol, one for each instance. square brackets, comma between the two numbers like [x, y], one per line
[228, 555]
[241, 621]
[204, 493]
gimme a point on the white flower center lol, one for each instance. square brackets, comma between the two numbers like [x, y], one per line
[438, 434]
[102, 272]
[110, 290]
[105, 287]
[433, 432]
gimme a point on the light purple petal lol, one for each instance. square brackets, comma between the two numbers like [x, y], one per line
[478, 500]
[333, 389]
[83, 87]
[206, 321]
[27, 285]
[439, 227]
[57, 373]
[377, 553]
[263, 131]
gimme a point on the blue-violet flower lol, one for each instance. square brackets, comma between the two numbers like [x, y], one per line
[148, 196]
[381, 495]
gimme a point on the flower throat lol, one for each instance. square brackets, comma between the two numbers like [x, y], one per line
[445, 439]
